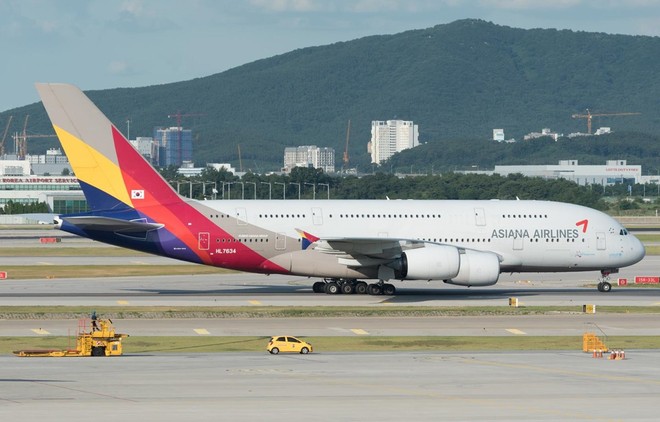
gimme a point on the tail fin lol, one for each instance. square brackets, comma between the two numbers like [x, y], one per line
[112, 174]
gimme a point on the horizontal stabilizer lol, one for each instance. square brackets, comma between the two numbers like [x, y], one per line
[107, 224]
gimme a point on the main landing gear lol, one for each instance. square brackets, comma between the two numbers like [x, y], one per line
[350, 285]
[604, 284]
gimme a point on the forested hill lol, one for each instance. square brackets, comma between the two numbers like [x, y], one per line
[457, 81]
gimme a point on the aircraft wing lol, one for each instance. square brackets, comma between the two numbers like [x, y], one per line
[358, 252]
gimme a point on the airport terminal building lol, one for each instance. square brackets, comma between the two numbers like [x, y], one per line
[613, 172]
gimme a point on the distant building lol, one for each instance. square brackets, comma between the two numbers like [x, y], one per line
[498, 135]
[614, 171]
[390, 137]
[148, 148]
[544, 132]
[175, 145]
[61, 193]
[310, 156]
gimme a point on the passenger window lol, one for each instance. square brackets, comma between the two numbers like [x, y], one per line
[281, 339]
[293, 340]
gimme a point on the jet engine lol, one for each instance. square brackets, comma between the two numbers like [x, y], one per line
[478, 268]
[433, 262]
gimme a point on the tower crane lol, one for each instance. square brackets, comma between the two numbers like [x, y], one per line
[178, 116]
[4, 136]
[588, 115]
[20, 140]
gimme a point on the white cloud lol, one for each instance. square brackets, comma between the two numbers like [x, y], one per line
[118, 67]
[530, 4]
[287, 5]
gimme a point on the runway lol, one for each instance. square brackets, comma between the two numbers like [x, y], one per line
[542, 386]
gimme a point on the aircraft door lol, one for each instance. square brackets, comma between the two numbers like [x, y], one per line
[241, 216]
[600, 241]
[518, 243]
[203, 241]
[479, 217]
[280, 241]
[317, 216]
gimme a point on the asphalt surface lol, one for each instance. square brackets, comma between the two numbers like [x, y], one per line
[460, 386]
[533, 386]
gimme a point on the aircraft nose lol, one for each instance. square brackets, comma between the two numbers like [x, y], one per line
[638, 251]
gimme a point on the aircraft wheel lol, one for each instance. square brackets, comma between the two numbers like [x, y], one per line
[332, 288]
[374, 289]
[389, 289]
[604, 287]
[361, 288]
[318, 287]
[347, 288]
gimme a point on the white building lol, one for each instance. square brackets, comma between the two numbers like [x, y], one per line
[542, 133]
[614, 171]
[390, 137]
[498, 135]
[146, 146]
[310, 156]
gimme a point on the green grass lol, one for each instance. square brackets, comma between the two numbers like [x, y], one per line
[207, 344]
[164, 312]
[22, 272]
[56, 250]
[648, 237]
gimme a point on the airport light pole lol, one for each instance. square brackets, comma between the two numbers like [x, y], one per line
[313, 185]
[255, 188]
[283, 188]
[327, 185]
[297, 184]
[270, 189]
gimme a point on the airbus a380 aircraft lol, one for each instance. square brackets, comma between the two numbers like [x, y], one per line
[467, 243]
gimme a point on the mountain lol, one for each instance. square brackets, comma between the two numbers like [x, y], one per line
[457, 81]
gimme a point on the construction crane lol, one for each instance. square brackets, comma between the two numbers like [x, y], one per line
[4, 136]
[178, 116]
[348, 136]
[20, 140]
[589, 115]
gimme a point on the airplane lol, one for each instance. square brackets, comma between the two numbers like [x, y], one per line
[341, 242]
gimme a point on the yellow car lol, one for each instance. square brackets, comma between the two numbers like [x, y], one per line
[279, 344]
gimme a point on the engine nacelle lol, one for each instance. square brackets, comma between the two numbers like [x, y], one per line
[433, 262]
[477, 269]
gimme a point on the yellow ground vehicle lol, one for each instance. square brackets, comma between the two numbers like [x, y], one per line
[99, 339]
[291, 344]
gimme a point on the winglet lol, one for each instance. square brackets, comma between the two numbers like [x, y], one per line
[307, 238]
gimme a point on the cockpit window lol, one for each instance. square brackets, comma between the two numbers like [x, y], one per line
[623, 232]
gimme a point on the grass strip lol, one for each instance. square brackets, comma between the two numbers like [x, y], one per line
[181, 344]
[23, 272]
[164, 312]
[61, 251]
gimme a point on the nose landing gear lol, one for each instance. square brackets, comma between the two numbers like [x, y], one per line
[604, 284]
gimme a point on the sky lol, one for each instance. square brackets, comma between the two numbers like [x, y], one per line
[99, 44]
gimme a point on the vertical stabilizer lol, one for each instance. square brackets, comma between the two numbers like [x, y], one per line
[112, 174]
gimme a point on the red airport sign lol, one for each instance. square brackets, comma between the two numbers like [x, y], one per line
[3, 275]
[647, 280]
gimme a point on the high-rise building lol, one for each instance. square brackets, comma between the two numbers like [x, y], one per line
[310, 156]
[175, 145]
[390, 137]
[147, 148]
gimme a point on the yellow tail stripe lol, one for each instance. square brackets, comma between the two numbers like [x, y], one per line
[92, 167]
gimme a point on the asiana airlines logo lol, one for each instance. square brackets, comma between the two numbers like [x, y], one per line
[535, 234]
